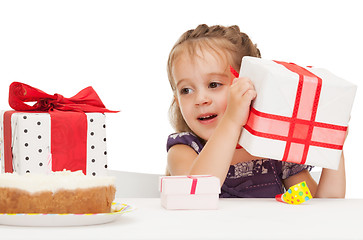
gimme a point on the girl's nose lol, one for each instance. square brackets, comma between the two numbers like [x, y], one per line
[202, 98]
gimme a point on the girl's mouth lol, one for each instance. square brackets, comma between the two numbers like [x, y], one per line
[207, 118]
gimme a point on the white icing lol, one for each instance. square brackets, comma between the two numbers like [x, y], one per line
[53, 182]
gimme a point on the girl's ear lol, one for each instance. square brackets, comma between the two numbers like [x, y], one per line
[176, 100]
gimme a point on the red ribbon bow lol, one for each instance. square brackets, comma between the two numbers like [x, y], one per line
[86, 100]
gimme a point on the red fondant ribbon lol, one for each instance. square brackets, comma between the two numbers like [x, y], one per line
[8, 153]
[300, 131]
[86, 100]
[69, 141]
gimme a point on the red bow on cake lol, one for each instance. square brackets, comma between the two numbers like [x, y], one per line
[86, 100]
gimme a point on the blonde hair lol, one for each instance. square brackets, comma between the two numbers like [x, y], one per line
[227, 42]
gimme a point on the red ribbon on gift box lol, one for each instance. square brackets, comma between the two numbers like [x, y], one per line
[68, 123]
[300, 131]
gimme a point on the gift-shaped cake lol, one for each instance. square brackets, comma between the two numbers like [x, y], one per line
[54, 134]
[189, 192]
[300, 115]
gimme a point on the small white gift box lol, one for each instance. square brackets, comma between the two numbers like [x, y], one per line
[189, 192]
[300, 114]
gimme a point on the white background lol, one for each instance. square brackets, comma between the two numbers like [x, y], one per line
[121, 48]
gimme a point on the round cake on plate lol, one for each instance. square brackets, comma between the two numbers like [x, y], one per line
[58, 192]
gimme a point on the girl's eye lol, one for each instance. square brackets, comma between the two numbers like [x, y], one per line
[185, 91]
[214, 84]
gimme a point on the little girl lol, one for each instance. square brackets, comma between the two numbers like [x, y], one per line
[208, 111]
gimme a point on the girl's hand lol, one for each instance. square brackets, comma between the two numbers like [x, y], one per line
[241, 94]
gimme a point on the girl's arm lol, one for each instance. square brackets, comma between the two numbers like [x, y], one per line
[331, 184]
[214, 159]
[217, 154]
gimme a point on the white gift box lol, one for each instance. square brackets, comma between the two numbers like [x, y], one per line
[300, 114]
[31, 143]
[189, 192]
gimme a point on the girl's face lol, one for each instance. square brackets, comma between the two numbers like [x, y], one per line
[202, 83]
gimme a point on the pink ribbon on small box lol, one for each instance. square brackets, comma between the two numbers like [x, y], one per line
[194, 178]
[194, 184]
[300, 131]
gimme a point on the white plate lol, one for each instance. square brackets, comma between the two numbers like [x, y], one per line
[63, 220]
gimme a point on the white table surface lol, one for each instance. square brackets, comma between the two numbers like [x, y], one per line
[235, 219]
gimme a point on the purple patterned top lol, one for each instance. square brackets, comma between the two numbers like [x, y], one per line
[260, 178]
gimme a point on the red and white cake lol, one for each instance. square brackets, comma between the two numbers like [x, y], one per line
[59, 192]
